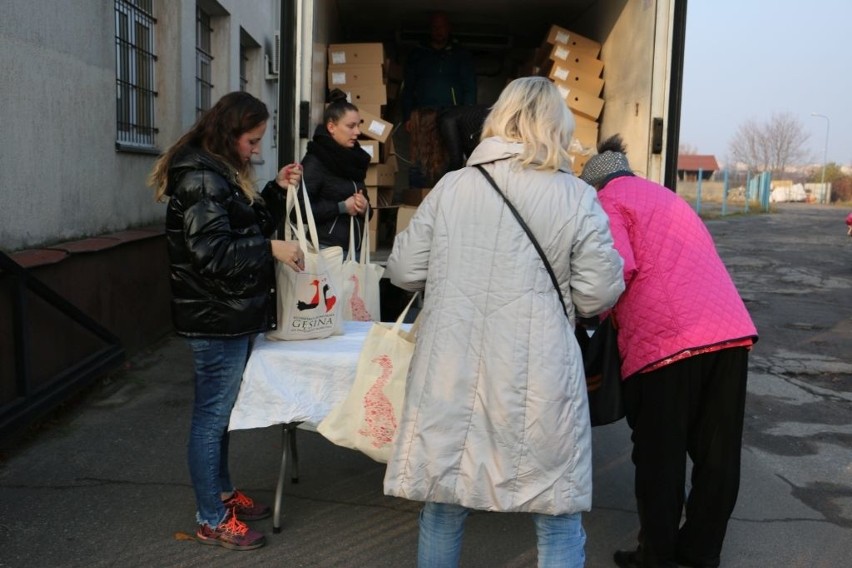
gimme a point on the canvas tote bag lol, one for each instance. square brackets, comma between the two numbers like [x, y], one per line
[367, 419]
[361, 299]
[309, 304]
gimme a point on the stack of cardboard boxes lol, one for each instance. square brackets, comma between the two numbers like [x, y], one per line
[571, 62]
[358, 70]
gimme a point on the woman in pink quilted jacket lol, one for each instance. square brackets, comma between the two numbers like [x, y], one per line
[684, 335]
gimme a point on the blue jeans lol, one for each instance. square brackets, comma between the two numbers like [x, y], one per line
[219, 366]
[561, 538]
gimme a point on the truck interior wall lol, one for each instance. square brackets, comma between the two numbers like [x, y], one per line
[625, 31]
[325, 30]
[636, 84]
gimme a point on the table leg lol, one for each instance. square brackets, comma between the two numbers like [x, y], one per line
[294, 455]
[279, 488]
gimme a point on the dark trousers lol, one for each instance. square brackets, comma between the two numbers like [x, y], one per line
[692, 407]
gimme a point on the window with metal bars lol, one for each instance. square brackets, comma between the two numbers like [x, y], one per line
[134, 70]
[243, 68]
[203, 62]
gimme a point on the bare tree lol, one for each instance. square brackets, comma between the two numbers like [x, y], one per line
[786, 138]
[771, 146]
[747, 145]
[687, 149]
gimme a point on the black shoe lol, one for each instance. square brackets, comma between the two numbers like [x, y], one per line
[628, 558]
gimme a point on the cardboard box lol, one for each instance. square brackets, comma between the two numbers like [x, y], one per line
[575, 79]
[581, 102]
[392, 162]
[389, 150]
[371, 108]
[559, 35]
[585, 132]
[342, 76]
[361, 95]
[380, 197]
[414, 196]
[380, 175]
[403, 217]
[374, 127]
[578, 61]
[349, 53]
[372, 148]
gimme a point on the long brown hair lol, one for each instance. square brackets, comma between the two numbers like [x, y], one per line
[426, 146]
[217, 132]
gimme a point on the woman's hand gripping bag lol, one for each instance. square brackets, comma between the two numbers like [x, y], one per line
[367, 419]
[361, 298]
[309, 304]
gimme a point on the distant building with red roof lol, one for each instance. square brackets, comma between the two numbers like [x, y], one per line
[688, 166]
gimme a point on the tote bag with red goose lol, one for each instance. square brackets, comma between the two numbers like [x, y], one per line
[309, 304]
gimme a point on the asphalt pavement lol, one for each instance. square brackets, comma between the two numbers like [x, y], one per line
[104, 482]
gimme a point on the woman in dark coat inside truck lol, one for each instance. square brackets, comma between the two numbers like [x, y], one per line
[335, 168]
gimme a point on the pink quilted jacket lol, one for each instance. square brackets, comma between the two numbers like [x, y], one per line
[679, 294]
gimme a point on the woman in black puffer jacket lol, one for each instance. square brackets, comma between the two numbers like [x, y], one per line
[335, 167]
[218, 231]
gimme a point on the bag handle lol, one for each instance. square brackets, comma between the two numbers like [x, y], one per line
[365, 238]
[529, 234]
[293, 203]
[364, 257]
[351, 255]
[309, 213]
[398, 323]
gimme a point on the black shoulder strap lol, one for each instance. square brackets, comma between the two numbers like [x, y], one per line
[529, 234]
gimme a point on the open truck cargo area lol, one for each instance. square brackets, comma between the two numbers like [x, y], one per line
[627, 68]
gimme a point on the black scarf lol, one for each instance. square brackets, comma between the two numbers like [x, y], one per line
[348, 163]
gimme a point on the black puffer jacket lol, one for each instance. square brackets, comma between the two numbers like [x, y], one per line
[222, 269]
[328, 187]
[326, 191]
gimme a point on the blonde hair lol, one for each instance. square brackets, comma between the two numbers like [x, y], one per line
[216, 133]
[531, 111]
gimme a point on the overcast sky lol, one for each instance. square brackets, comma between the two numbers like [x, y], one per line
[748, 59]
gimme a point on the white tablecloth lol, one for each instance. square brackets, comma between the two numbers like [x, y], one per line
[298, 381]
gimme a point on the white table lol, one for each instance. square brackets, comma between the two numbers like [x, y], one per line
[296, 384]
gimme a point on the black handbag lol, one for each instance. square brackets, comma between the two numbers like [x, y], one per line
[601, 360]
[602, 363]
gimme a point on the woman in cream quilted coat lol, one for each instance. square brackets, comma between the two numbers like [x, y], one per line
[495, 415]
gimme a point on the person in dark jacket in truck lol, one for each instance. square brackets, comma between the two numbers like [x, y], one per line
[335, 168]
[218, 233]
[438, 75]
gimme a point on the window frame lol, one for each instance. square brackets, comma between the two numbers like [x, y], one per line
[135, 75]
[203, 60]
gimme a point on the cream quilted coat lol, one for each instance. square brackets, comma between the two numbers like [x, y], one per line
[495, 415]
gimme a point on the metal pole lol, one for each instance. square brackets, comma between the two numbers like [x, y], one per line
[287, 84]
[725, 195]
[698, 192]
[824, 155]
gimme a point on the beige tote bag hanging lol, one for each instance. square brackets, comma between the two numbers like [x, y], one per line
[367, 419]
[309, 305]
[361, 298]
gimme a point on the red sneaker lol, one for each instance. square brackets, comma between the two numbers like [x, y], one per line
[245, 508]
[231, 533]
